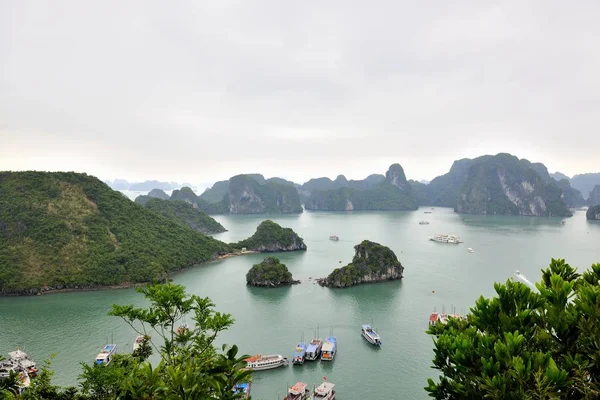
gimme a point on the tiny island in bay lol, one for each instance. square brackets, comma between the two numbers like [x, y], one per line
[270, 273]
[372, 262]
[271, 237]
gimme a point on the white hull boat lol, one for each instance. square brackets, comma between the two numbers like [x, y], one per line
[260, 362]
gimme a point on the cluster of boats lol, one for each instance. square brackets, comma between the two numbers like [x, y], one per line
[19, 363]
[300, 391]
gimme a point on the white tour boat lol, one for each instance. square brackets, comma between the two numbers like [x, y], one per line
[452, 239]
[371, 336]
[423, 222]
[334, 238]
[106, 355]
[260, 362]
[325, 391]
[298, 392]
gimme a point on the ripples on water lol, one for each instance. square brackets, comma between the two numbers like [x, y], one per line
[76, 325]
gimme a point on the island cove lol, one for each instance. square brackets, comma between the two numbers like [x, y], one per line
[70, 231]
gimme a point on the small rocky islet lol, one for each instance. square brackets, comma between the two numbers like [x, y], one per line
[372, 263]
[270, 273]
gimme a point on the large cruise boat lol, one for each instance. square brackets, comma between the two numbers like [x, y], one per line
[329, 349]
[371, 336]
[106, 355]
[325, 391]
[452, 239]
[260, 362]
[21, 360]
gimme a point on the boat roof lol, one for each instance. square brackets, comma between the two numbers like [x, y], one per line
[17, 354]
[328, 346]
[241, 387]
[312, 347]
[324, 388]
[259, 357]
[102, 356]
[108, 348]
[298, 388]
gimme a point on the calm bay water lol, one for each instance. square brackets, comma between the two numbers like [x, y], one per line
[75, 325]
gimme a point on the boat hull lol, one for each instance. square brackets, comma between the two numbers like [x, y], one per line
[371, 340]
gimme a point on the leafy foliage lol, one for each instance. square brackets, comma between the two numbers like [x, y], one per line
[270, 236]
[371, 262]
[524, 344]
[61, 230]
[185, 214]
[270, 272]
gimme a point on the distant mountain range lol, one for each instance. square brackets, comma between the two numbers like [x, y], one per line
[121, 184]
[583, 182]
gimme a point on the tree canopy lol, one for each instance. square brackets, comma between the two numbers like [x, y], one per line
[524, 343]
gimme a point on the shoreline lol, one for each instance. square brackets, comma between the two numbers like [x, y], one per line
[124, 285]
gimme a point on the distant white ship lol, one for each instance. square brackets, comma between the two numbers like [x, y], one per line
[424, 223]
[334, 238]
[452, 239]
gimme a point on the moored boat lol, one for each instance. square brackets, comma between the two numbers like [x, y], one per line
[371, 336]
[260, 362]
[243, 389]
[329, 349]
[299, 354]
[139, 340]
[313, 351]
[334, 238]
[325, 391]
[434, 318]
[24, 381]
[298, 392]
[106, 354]
[22, 362]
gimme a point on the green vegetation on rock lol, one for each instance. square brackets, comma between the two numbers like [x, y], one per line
[154, 193]
[271, 237]
[392, 193]
[70, 230]
[187, 195]
[524, 343]
[269, 273]
[503, 184]
[185, 214]
[372, 262]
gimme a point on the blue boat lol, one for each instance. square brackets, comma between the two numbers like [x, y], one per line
[300, 353]
[242, 388]
[329, 349]
[106, 355]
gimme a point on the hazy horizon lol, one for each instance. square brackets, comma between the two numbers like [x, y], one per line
[199, 92]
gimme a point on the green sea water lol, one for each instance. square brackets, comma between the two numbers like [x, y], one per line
[75, 326]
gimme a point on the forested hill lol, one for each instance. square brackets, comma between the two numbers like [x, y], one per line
[70, 230]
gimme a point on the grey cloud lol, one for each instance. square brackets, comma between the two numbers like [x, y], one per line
[200, 90]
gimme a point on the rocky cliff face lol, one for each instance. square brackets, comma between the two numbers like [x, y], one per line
[570, 196]
[505, 185]
[593, 213]
[372, 262]
[248, 196]
[594, 197]
[585, 182]
[271, 237]
[187, 195]
[391, 193]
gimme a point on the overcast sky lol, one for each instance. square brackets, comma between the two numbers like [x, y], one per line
[201, 90]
